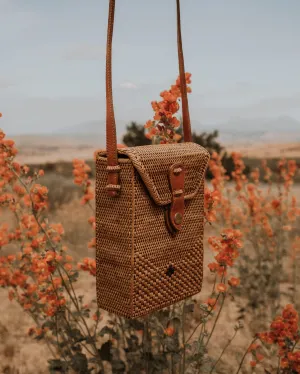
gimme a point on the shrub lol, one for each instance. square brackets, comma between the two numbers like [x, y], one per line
[254, 230]
[61, 190]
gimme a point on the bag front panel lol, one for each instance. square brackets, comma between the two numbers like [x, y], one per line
[156, 252]
[114, 217]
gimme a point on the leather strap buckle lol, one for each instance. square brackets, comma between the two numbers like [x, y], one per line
[176, 210]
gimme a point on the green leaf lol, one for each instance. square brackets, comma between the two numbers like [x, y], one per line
[79, 363]
[189, 308]
[118, 366]
[107, 330]
[90, 340]
[105, 351]
[172, 343]
[133, 324]
[50, 324]
[57, 366]
[158, 364]
[76, 335]
[133, 344]
[163, 316]
[174, 322]
[203, 307]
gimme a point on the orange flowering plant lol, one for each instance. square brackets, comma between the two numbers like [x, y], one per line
[165, 123]
[284, 334]
[253, 228]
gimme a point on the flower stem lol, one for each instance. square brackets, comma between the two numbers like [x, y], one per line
[245, 354]
[223, 351]
[216, 320]
[183, 337]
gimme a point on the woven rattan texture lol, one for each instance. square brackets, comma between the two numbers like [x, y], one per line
[156, 250]
[114, 241]
[134, 247]
[153, 163]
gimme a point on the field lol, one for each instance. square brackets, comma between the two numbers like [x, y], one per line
[42, 149]
[245, 319]
[268, 151]
[21, 354]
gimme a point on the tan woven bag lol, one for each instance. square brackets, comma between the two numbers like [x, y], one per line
[149, 214]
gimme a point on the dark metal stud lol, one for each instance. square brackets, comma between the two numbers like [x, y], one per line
[178, 218]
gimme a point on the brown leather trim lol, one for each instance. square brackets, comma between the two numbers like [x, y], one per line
[176, 178]
[170, 228]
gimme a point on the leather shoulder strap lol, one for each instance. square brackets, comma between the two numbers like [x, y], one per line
[113, 168]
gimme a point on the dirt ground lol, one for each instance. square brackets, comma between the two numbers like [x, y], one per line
[266, 151]
[39, 149]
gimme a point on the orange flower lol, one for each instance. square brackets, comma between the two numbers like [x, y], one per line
[283, 329]
[39, 196]
[11, 295]
[169, 331]
[211, 302]
[148, 124]
[68, 267]
[287, 228]
[88, 265]
[253, 347]
[97, 317]
[234, 282]
[164, 120]
[213, 267]
[221, 287]
[92, 243]
[259, 357]
[57, 282]
[69, 258]
[11, 258]
[80, 172]
[92, 221]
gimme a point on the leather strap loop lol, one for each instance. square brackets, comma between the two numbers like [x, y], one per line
[176, 212]
[111, 135]
[113, 169]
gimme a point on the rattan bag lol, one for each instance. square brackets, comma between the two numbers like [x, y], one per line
[149, 214]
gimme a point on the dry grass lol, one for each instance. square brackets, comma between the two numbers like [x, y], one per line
[40, 150]
[20, 354]
[268, 151]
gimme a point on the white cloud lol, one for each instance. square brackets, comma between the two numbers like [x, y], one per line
[128, 85]
[84, 51]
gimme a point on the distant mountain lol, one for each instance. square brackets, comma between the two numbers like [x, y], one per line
[261, 125]
[282, 128]
[263, 130]
[99, 127]
[93, 130]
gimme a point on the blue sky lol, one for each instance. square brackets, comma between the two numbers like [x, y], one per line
[244, 57]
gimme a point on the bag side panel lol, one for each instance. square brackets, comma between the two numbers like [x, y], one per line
[114, 218]
[156, 251]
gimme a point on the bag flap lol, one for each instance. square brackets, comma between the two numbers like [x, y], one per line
[154, 161]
